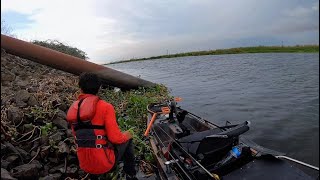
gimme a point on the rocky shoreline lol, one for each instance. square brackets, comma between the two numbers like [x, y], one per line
[35, 140]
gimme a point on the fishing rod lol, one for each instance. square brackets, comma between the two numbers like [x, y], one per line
[200, 165]
[173, 157]
[297, 161]
[166, 110]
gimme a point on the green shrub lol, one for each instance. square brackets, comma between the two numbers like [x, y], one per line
[131, 112]
[58, 46]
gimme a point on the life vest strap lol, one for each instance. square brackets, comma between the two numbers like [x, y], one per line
[93, 139]
[93, 145]
[89, 141]
[87, 126]
[82, 124]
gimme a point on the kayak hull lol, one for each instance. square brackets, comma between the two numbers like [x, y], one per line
[186, 146]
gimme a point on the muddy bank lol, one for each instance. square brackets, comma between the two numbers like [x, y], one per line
[35, 140]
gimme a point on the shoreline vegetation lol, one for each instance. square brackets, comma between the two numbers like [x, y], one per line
[238, 50]
[36, 141]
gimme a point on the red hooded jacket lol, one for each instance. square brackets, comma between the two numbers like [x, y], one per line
[91, 159]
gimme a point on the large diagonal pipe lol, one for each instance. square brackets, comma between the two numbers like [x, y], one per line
[70, 64]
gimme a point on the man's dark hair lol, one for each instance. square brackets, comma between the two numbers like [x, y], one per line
[89, 83]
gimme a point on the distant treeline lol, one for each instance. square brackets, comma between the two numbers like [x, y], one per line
[239, 50]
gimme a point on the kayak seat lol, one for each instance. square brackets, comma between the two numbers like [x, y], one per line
[202, 146]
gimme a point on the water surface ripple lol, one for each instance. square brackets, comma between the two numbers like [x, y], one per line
[278, 93]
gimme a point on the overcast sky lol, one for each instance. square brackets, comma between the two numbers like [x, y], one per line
[116, 30]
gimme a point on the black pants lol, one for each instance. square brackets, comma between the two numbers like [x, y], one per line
[123, 152]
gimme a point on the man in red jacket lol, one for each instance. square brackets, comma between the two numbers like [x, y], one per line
[100, 143]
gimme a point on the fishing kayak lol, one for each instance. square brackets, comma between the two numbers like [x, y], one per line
[187, 146]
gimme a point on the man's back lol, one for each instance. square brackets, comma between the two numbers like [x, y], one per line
[100, 143]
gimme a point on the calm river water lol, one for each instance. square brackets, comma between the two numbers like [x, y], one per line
[278, 93]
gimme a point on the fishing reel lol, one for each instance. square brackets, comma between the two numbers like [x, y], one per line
[172, 103]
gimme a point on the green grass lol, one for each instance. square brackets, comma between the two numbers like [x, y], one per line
[131, 113]
[240, 50]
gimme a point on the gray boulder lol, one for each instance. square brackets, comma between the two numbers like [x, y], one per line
[22, 96]
[32, 101]
[5, 175]
[55, 176]
[60, 123]
[15, 115]
[26, 171]
[63, 148]
[7, 76]
[4, 164]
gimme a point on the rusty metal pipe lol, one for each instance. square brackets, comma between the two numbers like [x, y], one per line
[70, 64]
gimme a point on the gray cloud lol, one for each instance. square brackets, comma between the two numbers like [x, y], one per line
[114, 30]
[111, 30]
[180, 26]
